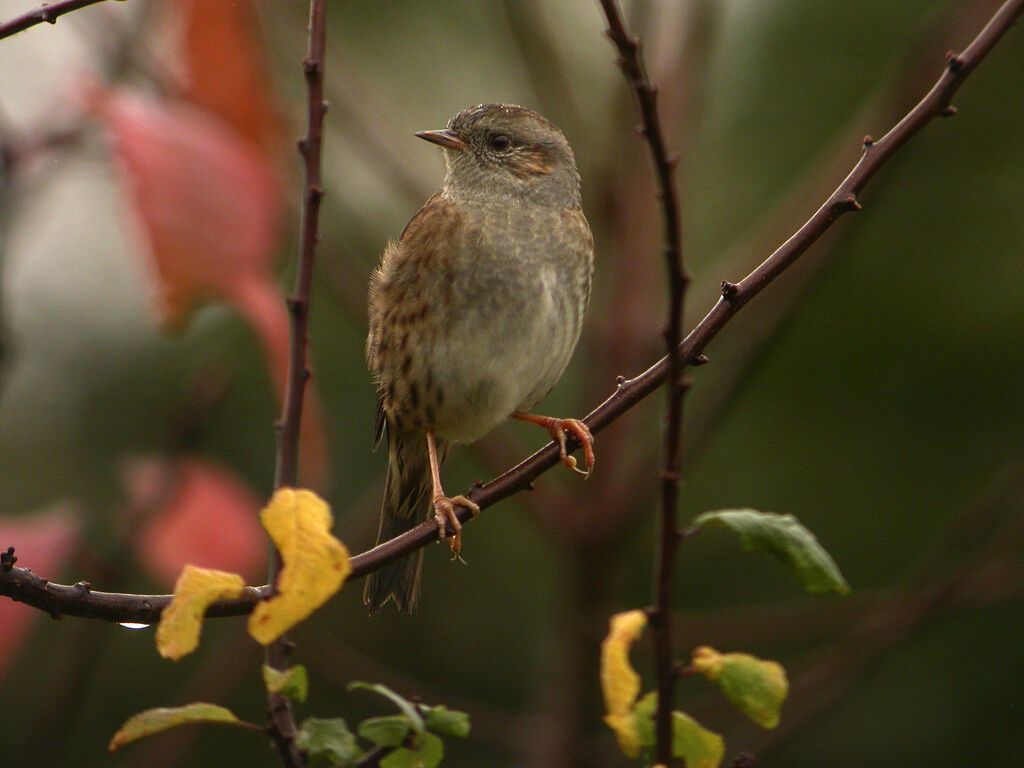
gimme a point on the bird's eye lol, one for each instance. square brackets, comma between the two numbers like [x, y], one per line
[500, 141]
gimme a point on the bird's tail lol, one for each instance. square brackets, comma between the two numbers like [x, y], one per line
[407, 502]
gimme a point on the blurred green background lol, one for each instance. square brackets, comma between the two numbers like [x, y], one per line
[876, 391]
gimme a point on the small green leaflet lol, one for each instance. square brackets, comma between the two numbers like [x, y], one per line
[699, 747]
[406, 707]
[328, 739]
[427, 753]
[293, 683]
[784, 537]
[447, 722]
[163, 718]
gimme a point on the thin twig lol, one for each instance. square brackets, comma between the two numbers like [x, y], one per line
[282, 727]
[24, 586]
[646, 96]
[47, 12]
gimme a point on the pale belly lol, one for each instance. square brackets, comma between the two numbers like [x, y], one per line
[509, 358]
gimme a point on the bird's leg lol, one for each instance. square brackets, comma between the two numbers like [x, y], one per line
[444, 508]
[557, 429]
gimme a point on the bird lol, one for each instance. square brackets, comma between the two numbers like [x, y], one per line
[474, 313]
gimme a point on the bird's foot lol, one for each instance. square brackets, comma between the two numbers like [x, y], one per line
[444, 511]
[558, 428]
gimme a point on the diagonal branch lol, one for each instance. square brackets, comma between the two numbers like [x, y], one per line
[80, 600]
[47, 12]
[660, 615]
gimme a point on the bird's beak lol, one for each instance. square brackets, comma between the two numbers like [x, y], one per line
[445, 138]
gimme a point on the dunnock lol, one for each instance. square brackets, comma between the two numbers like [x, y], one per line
[474, 314]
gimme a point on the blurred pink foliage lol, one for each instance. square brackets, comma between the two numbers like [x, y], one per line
[45, 540]
[202, 169]
[193, 511]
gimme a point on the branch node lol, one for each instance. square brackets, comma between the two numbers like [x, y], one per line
[846, 204]
[8, 559]
[620, 382]
[310, 68]
[954, 62]
[699, 360]
[868, 141]
[83, 586]
[949, 111]
[729, 290]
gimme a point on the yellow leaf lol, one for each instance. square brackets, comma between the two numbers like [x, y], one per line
[755, 687]
[315, 563]
[156, 720]
[619, 681]
[182, 620]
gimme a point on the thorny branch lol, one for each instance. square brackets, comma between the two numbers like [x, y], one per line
[632, 65]
[80, 600]
[282, 721]
[47, 12]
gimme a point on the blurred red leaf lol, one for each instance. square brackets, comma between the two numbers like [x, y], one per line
[42, 542]
[210, 207]
[224, 73]
[209, 203]
[194, 512]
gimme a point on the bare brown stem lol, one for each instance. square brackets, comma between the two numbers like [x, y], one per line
[282, 727]
[47, 12]
[646, 97]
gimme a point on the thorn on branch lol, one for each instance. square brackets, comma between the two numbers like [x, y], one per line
[47, 15]
[8, 559]
[848, 203]
[954, 62]
[83, 586]
[699, 360]
[868, 142]
[620, 382]
[949, 111]
[729, 290]
[310, 68]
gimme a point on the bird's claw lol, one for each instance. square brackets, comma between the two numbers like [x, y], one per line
[582, 433]
[444, 511]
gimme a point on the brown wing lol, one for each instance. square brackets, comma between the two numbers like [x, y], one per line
[413, 276]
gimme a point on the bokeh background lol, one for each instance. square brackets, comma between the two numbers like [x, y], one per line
[148, 209]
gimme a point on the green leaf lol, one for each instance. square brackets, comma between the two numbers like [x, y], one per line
[447, 722]
[163, 718]
[784, 537]
[407, 707]
[755, 687]
[328, 739]
[427, 753]
[699, 747]
[390, 731]
[292, 682]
